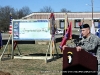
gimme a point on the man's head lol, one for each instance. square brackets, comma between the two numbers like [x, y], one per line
[85, 30]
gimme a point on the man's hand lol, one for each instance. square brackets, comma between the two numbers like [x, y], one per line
[78, 48]
[63, 48]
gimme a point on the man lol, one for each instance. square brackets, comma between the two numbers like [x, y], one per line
[89, 42]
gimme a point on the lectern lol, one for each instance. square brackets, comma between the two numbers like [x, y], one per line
[79, 63]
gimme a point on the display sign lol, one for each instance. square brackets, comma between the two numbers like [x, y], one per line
[31, 30]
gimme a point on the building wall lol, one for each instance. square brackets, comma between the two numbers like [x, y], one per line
[61, 16]
[88, 21]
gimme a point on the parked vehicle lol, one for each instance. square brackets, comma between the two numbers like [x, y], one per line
[59, 31]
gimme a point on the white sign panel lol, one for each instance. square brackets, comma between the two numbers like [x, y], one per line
[31, 30]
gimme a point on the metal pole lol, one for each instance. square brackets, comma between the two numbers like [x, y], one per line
[92, 8]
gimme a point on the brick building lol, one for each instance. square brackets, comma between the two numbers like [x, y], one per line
[74, 17]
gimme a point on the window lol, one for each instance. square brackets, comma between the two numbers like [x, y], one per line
[77, 22]
[96, 22]
[62, 24]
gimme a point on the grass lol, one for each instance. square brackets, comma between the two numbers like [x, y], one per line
[34, 66]
[31, 66]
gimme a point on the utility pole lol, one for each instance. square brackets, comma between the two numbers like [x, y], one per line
[92, 8]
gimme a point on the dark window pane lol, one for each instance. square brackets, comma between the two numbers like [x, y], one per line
[96, 22]
[62, 24]
[77, 22]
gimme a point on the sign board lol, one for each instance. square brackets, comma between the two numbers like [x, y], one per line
[31, 30]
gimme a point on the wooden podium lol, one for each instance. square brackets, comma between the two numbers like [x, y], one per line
[81, 62]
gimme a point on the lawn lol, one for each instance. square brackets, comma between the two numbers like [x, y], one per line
[31, 66]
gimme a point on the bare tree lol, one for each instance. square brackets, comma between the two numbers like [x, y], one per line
[46, 9]
[23, 12]
[5, 15]
[65, 10]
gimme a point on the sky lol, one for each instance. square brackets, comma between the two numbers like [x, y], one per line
[56, 5]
